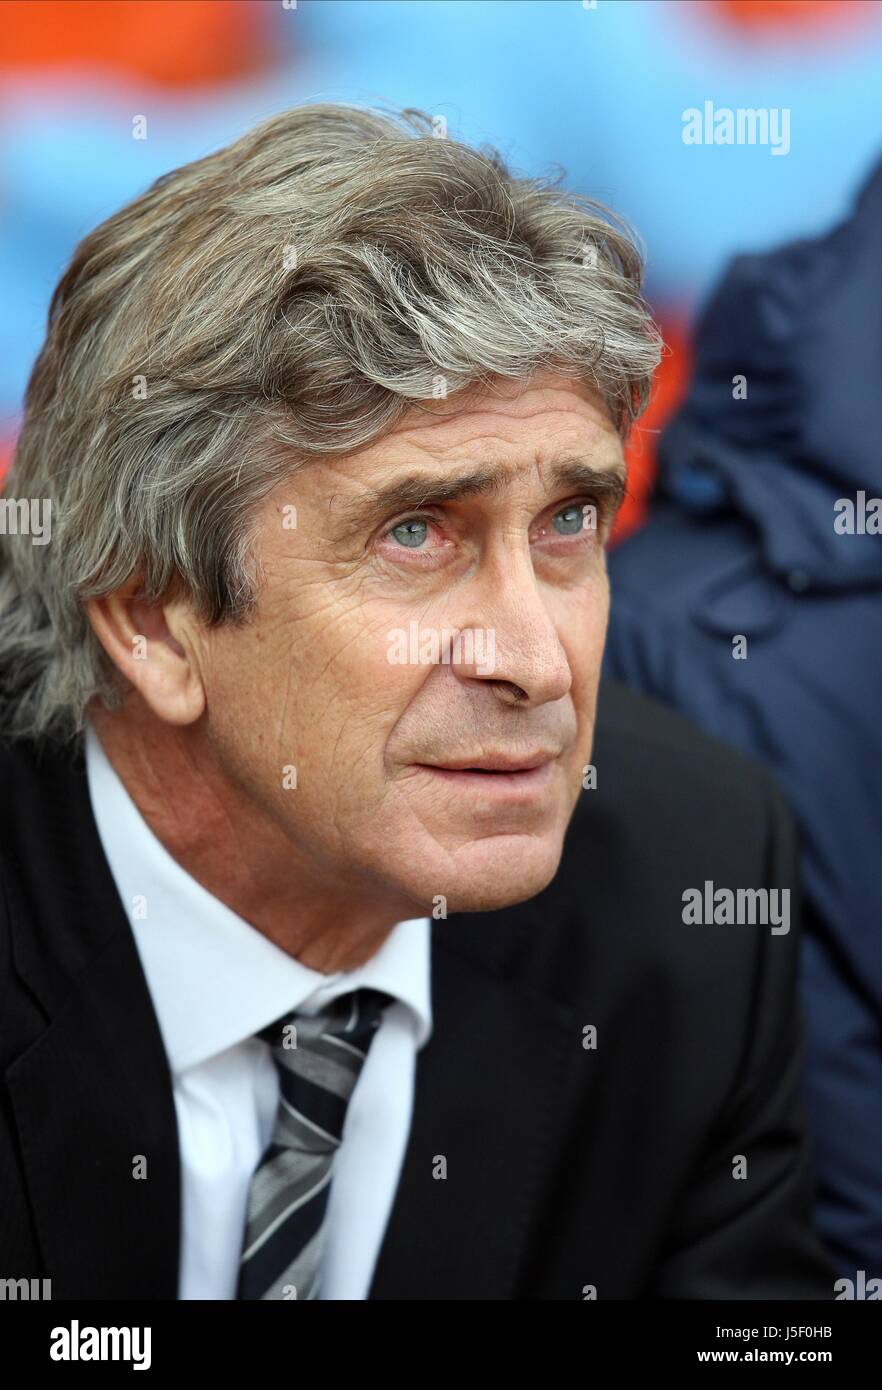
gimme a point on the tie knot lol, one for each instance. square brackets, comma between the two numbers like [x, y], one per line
[319, 1059]
[351, 1020]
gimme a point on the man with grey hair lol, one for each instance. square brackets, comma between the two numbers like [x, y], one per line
[342, 928]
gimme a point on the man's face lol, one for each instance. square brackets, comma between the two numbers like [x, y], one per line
[350, 672]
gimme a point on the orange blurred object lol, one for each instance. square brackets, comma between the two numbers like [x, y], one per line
[671, 380]
[795, 14]
[7, 448]
[172, 43]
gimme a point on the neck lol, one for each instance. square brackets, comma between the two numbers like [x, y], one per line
[239, 852]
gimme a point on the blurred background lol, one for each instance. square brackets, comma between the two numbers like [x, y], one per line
[594, 91]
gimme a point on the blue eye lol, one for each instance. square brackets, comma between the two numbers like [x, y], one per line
[410, 533]
[572, 520]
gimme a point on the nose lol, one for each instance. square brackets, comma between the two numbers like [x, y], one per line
[515, 648]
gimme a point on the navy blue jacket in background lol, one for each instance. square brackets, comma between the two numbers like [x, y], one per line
[784, 419]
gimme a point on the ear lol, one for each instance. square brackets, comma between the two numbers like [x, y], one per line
[154, 646]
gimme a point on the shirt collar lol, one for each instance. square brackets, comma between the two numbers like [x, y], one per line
[215, 980]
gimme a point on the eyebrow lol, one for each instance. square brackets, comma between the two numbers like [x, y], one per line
[417, 490]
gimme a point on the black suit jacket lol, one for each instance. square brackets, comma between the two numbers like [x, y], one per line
[568, 1168]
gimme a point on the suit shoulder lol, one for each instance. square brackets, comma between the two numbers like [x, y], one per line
[35, 776]
[659, 762]
[673, 811]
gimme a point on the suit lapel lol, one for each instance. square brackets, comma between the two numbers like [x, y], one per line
[102, 1156]
[489, 1093]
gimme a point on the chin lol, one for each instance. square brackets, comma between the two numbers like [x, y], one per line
[495, 872]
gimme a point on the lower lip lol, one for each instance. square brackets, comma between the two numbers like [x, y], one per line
[533, 779]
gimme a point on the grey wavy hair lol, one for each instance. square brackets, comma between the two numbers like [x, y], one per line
[291, 295]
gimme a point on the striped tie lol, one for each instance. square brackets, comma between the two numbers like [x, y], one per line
[318, 1060]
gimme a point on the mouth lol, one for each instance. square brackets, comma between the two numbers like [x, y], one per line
[496, 776]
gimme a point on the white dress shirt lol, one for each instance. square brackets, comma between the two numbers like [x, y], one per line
[215, 981]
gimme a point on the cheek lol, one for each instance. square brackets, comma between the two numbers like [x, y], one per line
[582, 625]
[232, 668]
[582, 617]
[347, 690]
